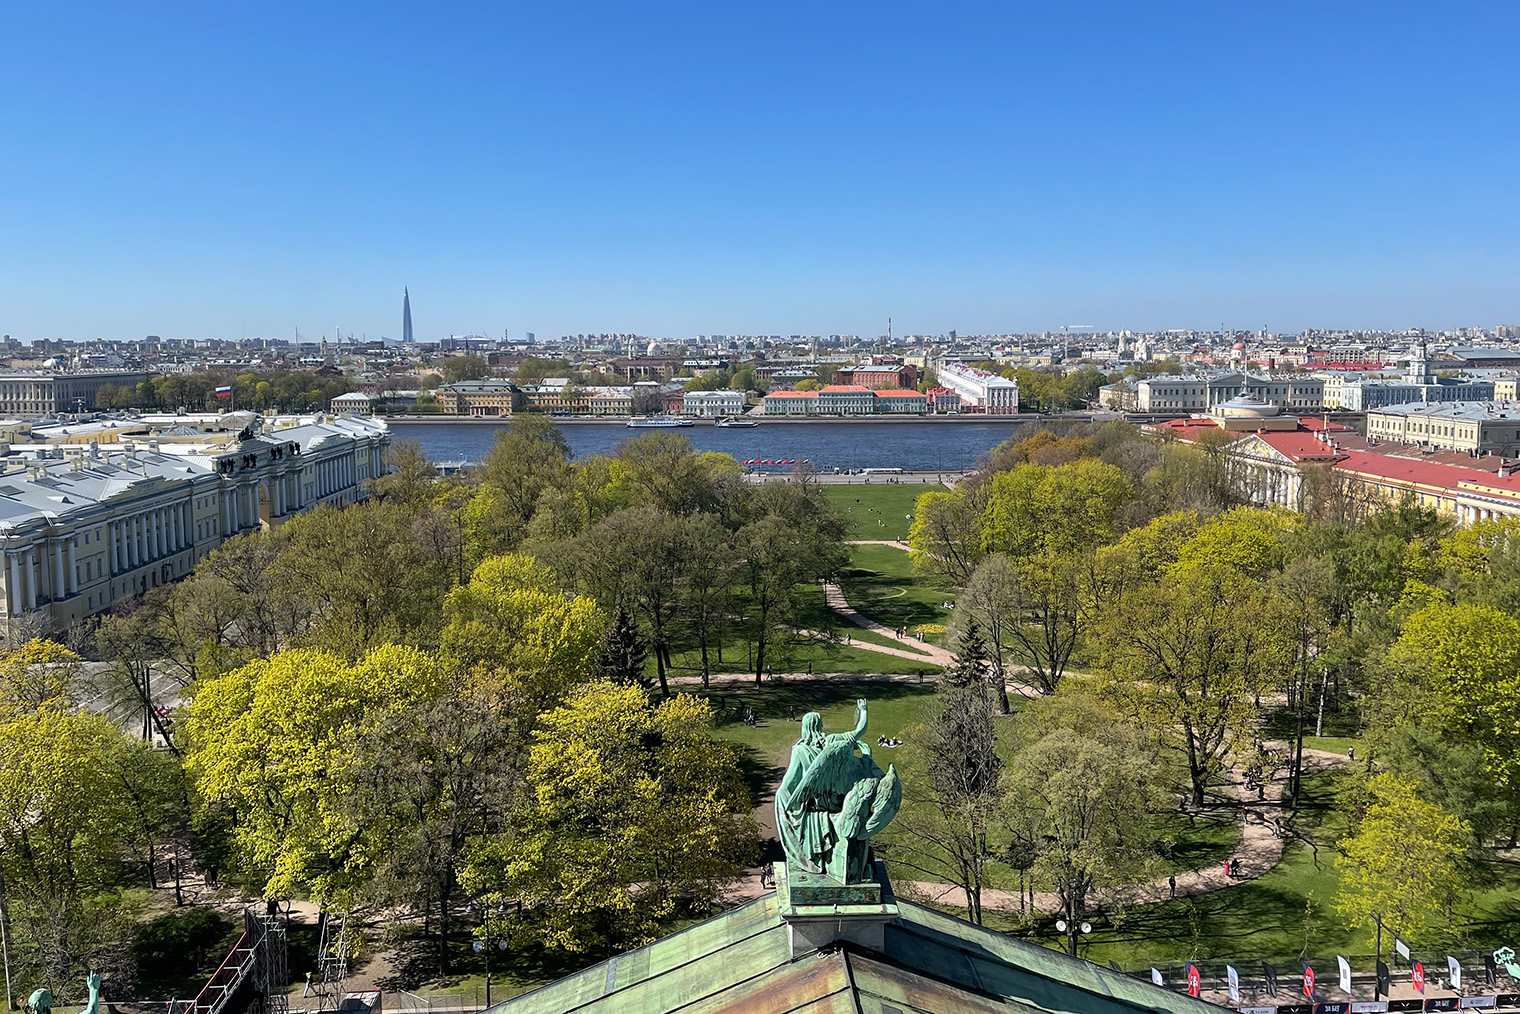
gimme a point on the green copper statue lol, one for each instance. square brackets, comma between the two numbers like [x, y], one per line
[832, 800]
[41, 1001]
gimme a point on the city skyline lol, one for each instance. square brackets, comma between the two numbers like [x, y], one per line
[198, 172]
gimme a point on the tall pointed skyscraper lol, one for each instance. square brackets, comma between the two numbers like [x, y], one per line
[406, 316]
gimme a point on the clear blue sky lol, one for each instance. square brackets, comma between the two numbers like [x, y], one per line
[198, 169]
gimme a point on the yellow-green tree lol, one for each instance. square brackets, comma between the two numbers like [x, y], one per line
[1061, 509]
[635, 807]
[512, 623]
[1403, 863]
[277, 741]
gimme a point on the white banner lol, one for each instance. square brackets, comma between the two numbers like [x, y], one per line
[1454, 967]
[1156, 976]
[1345, 973]
[1234, 978]
[1401, 947]
[1258, 1010]
[1479, 1001]
[1369, 1007]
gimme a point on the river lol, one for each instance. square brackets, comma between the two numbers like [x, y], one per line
[923, 446]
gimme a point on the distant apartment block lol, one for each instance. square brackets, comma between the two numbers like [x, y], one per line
[845, 399]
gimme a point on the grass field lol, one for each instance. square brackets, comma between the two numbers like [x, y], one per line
[881, 586]
[877, 510]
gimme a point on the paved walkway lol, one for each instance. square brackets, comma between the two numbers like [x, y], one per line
[833, 596]
[894, 543]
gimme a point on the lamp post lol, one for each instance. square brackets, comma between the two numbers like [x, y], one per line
[482, 944]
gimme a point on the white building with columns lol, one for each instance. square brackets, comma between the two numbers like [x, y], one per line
[84, 526]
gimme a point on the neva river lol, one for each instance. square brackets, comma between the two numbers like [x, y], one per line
[927, 446]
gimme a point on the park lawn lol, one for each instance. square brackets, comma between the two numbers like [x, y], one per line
[887, 503]
[880, 585]
[1201, 840]
[894, 708]
[813, 613]
[794, 657]
[1262, 919]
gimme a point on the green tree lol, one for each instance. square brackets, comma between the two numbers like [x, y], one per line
[513, 626]
[1403, 863]
[1061, 509]
[1080, 789]
[623, 653]
[636, 809]
[457, 368]
[945, 537]
[277, 741]
[529, 456]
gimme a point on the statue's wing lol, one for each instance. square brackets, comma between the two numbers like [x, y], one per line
[833, 770]
[888, 800]
[851, 820]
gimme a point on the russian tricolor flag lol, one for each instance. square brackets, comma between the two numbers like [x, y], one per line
[224, 392]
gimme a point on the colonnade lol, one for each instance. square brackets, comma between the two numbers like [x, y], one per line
[46, 570]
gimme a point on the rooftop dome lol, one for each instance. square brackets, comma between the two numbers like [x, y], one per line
[1245, 407]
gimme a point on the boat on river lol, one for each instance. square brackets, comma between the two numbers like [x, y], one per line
[661, 422]
[735, 423]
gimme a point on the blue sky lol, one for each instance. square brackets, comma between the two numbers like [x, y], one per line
[194, 169]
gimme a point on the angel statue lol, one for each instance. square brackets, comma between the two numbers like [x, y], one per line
[41, 1001]
[833, 800]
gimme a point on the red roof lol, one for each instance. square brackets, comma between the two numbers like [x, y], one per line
[792, 394]
[1413, 471]
[847, 389]
[1300, 446]
[898, 394]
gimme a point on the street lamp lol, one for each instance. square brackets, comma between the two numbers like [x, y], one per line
[482, 944]
[1062, 926]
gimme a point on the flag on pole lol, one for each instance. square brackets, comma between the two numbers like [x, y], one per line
[1156, 976]
[1234, 980]
[1455, 968]
[1345, 973]
[1308, 981]
[1417, 977]
[1269, 974]
[1194, 980]
[224, 392]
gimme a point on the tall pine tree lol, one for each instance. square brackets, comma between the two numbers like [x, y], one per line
[624, 653]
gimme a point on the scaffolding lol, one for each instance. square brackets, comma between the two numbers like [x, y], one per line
[332, 960]
[253, 975]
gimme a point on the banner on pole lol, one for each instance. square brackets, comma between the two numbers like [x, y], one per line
[1233, 978]
[1194, 980]
[1308, 981]
[1156, 976]
[1345, 973]
[1384, 978]
[1417, 977]
[1454, 968]
[1269, 973]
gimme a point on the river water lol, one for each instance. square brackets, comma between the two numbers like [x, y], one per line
[922, 446]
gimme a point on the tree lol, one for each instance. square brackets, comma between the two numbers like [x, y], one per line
[1063, 509]
[1080, 789]
[277, 741]
[945, 537]
[409, 477]
[1404, 861]
[457, 368]
[1300, 610]
[529, 456]
[623, 653]
[1187, 654]
[512, 626]
[636, 807]
[943, 830]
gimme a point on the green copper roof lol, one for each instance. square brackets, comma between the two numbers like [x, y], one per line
[930, 964]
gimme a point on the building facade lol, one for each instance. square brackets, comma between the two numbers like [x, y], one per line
[30, 395]
[712, 404]
[480, 398]
[1488, 427]
[980, 391]
[84, 526]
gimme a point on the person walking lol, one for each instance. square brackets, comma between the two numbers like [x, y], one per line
[307, 991]
[1172, 883]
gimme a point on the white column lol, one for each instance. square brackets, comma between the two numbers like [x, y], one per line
[13, 587]
[115, 529]
[71, 566]
[31, 581]
[129, 542]
[60, 587]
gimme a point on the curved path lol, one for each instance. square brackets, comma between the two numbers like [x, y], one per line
[833, 596]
